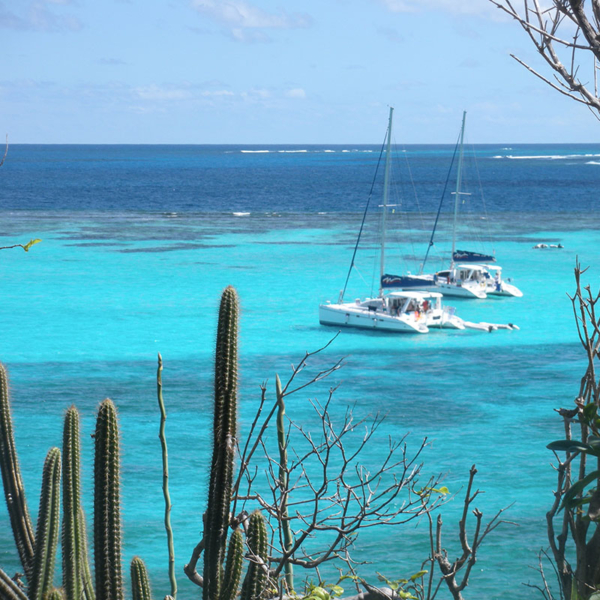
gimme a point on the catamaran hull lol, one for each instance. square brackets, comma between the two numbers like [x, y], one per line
[451, 290]
[506, 290]
[347, 316]
[460, 291]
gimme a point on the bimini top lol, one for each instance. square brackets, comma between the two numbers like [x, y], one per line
[414, 295]
[479, 267]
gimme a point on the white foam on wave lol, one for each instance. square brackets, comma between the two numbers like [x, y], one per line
[548, 156]
[291, 151]
[255, 151]
[241, 214]
[592, 162]
[328, 150]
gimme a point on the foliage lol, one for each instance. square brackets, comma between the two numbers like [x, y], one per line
[574, 518]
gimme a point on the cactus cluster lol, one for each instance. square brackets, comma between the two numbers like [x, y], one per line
[38, 553]
[223, 561]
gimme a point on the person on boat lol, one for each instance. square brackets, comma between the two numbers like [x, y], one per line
[497, 281]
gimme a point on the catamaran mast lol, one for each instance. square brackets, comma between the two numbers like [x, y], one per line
[386, 185]
[458, 182]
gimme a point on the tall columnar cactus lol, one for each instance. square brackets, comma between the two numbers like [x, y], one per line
[256, 576]
[76, 569]
[107, 508]
[14, 492]
[233, 566]
[47, 528]
[224, 432]
[140, 585]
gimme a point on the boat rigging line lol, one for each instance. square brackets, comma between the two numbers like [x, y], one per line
[343, 292]
[437, 217]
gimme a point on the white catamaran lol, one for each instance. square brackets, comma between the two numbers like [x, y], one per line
[470, 275]
[396, 311]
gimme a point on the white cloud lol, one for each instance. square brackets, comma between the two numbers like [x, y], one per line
[460, 7]
[245, 22]
[217, 93]
[296, 93]
[37, 16]
[154, 92]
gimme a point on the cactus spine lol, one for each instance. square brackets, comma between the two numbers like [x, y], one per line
[224, 434]
[107, 509]
[55, 594]
[47, 528]
[75, 559]
[140, 585]
[233, 566]
[14, 492]
[9, 589]
[256, 576]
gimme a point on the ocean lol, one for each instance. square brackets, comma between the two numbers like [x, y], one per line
[139, 242]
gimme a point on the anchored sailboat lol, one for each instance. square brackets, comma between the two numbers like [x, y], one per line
[398, 311]
[470, 274]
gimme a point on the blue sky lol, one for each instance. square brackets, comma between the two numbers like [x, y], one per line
[263, 71]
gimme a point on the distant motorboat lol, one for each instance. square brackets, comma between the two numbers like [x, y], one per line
[546, 246]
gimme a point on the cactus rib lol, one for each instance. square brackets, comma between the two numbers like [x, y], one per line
[107, 509]
[224, 433]
[14, 491]
[256, 576]
[72, 531]
[47, 528]
[233, 566]
[9, 589]
[140, 584]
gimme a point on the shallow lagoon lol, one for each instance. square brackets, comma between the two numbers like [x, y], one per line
[86, 312]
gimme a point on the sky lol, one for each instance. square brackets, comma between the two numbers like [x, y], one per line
[273, 72]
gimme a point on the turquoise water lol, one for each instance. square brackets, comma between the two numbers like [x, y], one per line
[86, 312]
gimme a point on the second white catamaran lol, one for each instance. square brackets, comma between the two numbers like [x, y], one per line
[470, 275]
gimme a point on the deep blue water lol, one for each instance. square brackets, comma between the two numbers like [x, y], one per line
[138, 242]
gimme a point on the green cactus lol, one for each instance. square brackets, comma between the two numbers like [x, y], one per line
[47, 528]
[9, 589]
[14, 492]
[140, 584]
[74, 546]
[233, 566]
[224, 433]
[55, 594]
[87, 583]
[256, 576]
[107, 508]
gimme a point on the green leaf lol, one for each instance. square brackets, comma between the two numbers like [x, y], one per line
[577, 488]
[418, 575]
[336, 590]
[589, 411]
[568, 446]
[31, 243]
